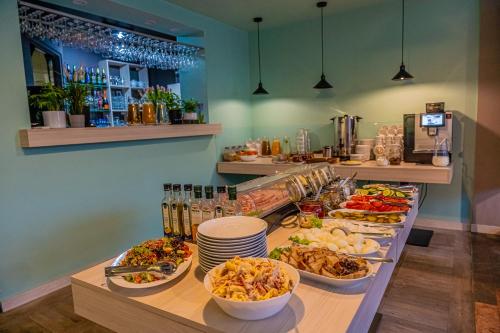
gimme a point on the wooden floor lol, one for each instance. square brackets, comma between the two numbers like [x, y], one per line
[434, 289]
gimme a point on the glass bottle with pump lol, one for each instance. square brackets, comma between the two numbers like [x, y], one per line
[232, 206]
[187, 233]
[165, 210]
[208, 206]
[196, 210]
[176, 209]
[219, 201]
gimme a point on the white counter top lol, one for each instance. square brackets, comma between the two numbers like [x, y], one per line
[406, 172]
[185, 306]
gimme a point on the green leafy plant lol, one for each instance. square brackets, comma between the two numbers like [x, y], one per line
[75, 94]
[171, 100]
[190, 105]
[51, 98]
[160, 94]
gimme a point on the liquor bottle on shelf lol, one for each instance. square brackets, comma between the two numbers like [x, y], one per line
[81, 75]
[98, 77]
[105, 103]
[67, 74]
[176, 209]
[187, 233]
[75, 74]
[232, 206]
[208, 206]
[196, 210]
[92, 76]
[87, 75]
[219, 201]
[165, 210]
[104, 78]
[99, 100]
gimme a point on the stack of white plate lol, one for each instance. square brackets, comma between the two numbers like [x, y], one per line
[224, 238]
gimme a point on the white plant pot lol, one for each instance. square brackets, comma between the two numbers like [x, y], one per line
[190, 116]
[54, 119]
[77, 120]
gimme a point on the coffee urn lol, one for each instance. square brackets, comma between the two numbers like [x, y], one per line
[345, 135]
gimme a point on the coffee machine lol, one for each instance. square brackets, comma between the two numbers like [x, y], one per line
[345, 135]
[421, 131]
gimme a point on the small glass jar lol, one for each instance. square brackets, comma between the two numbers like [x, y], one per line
[148, 113]
[162, 113]
[133, 116]
[394, 154]
[266, 147]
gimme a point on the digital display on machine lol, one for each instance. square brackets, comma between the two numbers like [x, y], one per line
[432, 119]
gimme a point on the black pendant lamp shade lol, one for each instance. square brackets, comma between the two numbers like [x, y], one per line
[402, 74]
[260, 89]
[323, 83]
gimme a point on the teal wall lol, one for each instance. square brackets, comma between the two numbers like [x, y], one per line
[62, 209]
[362, 53]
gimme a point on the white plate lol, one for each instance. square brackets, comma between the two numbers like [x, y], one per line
[232, 242]
[371, 212]
[212, 259]
[120, 281]
[225, 248]
[211, 262]
[232, 228]
[254, 310]
[347, 210]
[216, 255]
[340, 283]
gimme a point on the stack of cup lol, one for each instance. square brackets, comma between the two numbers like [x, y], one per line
[365, 147]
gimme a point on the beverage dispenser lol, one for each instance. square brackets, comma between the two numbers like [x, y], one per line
[345, 135]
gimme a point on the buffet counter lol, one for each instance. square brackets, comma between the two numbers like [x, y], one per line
[406, 172]
[184, 305]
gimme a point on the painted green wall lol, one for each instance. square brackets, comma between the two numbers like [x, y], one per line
[62, 209]
[362, 53]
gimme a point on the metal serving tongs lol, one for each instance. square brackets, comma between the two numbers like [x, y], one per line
[163, 268]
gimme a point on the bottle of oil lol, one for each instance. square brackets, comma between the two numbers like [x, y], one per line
[176, 209]
[219, 201]
[232, 206]
[187, 233]
[196, 210]
[208, 205]
[165, 210]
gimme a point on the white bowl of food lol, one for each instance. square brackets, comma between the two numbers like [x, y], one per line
[251, 303]
[248, 155]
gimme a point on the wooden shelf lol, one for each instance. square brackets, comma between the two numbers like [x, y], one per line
[32, 138]
[406, 172]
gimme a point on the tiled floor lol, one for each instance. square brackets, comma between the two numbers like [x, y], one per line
[433, 289]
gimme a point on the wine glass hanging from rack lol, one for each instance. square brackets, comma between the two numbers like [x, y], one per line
[106, 40]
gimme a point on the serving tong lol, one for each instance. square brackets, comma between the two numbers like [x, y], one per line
[166, 268]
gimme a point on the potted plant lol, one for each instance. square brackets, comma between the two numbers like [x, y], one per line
[75, 95]
[173, 104]
[51, 101]
[190, 111]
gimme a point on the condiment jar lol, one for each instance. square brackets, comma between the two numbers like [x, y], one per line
[394, 154]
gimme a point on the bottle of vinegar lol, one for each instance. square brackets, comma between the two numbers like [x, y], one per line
[196, 210]
[176, 209]
[186, 213]
[232, 206]
[165, 210]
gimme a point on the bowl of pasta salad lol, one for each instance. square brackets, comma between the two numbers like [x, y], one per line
[252, 288]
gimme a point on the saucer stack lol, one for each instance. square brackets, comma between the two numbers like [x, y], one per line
[224, 238]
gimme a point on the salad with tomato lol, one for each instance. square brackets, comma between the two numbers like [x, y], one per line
[375, 206]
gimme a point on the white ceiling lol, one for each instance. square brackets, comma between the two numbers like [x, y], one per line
[239, 13]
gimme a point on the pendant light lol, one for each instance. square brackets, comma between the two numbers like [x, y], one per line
[260, 90]
[402, 74]
[323, 83]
